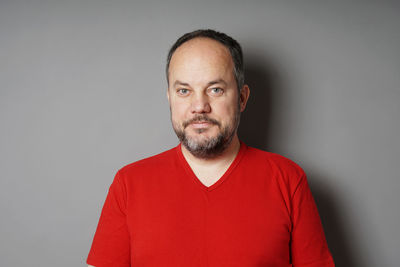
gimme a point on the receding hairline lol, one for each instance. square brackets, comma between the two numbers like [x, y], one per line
[197, 39]
[230, 43]
[191, 42]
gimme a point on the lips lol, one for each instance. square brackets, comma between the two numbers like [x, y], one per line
[201, 124]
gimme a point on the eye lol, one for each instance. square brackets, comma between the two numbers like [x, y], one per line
[216, 91]
[183, 91]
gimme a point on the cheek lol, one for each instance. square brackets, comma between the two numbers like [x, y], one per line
[225, 112]
[178, 111]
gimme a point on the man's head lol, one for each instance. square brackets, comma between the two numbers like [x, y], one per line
[203, 91]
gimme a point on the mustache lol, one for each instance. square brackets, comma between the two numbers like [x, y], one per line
[201, 118]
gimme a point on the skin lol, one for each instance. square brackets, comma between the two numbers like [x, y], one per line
[202, 83]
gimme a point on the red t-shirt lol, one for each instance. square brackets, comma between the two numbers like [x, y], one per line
[259, 213]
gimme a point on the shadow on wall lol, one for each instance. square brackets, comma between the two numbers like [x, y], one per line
[337, 235]
[254, 126]
[267, 90]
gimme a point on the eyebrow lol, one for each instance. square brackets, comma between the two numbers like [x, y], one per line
[217, 81]
[177, 82]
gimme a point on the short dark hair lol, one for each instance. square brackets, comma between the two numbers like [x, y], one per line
[230, 43]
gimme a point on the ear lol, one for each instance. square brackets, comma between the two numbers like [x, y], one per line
[244, 96]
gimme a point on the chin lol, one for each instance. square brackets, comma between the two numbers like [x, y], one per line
[206, 147]
[200, 135]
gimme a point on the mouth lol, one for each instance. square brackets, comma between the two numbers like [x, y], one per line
[201, 124]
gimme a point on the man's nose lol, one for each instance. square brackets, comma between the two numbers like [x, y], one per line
[200, 103]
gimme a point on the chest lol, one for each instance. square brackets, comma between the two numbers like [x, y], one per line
[237, 224]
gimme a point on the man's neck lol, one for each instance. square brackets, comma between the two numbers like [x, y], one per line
[226, 157]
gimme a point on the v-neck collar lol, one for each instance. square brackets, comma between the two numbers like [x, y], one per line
[223, 178]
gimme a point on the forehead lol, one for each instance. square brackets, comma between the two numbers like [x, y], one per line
[202, 58]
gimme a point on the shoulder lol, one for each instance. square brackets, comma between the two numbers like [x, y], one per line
[153, 164]
[273, 160]
[283, 171]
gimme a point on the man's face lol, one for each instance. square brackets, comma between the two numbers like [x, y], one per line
[203, 96]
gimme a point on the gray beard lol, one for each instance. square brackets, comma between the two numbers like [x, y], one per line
[208, 148]
[211, 147]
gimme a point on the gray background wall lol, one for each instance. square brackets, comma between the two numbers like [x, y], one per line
[82, 93]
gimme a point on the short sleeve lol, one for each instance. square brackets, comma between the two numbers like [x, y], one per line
[111, 242]
[308, 244]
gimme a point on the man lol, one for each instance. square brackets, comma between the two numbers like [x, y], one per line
[212, 200]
